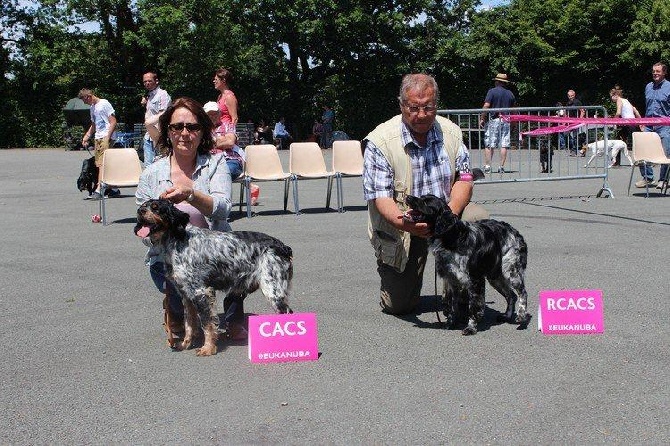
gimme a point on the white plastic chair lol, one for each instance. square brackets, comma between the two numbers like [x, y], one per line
[120, 168]
[306, 162]
[648, 150]
[262, 164]
[347, 162]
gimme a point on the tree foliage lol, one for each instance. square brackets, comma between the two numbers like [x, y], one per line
[290, 58]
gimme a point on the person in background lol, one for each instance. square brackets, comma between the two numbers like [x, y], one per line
[199, 184]
[327, 122]
[317, 130]
[225, 142]
[624, 109]
[155, 103]
[227, 101]
[561, 136]
[573, 136]
[103, 124]
[263, 133]
[657, 98]
[497, 131]
[414, 153]
[282, 134]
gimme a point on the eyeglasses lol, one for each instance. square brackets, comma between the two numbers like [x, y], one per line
[180, 126]
[414, 109]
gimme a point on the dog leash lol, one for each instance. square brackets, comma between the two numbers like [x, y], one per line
[437, 312]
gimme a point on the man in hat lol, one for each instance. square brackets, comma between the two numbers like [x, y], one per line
[497, 131]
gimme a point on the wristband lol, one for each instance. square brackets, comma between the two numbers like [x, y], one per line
[465, 176]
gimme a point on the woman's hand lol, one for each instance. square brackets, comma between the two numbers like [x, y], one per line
[177, 194]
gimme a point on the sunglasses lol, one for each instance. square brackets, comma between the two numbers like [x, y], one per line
[180, 126]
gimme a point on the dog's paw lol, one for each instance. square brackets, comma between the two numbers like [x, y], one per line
[183, 345]
[470, 329]
[206, 350]
[449, 321]
[522, 319]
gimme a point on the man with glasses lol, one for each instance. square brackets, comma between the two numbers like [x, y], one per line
[497, 130]
[103, 124]
[414, 153]
[155, 102]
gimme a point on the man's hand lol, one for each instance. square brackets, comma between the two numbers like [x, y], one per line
[420, 229]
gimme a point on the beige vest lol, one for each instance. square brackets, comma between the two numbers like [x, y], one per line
[392, 245]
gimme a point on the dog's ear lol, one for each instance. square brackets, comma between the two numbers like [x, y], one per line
[179, 218]
[445, 220]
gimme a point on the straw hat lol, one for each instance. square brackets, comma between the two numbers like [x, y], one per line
[501, 77]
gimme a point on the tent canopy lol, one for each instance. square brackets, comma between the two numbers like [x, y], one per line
[77, 113]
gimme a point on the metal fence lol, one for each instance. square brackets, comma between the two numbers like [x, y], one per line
[526, 153]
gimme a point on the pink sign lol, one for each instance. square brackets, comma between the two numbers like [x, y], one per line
[283, 337]
[571, 312]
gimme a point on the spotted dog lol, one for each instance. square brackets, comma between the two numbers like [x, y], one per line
[199, 261]
[468, 253]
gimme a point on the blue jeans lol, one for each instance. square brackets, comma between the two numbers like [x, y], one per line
[233, 306]
[235, 168]
[664, 133]
[149, 152]
[561, 141]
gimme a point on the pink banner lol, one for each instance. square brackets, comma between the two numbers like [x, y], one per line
[600, 121]
[551, 130]
[571, 312]
[283, 338]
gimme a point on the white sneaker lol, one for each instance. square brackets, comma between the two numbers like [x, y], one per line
[660, 185]
[487, 168]
[501, 169]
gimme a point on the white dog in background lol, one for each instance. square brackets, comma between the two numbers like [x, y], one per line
[614, 146]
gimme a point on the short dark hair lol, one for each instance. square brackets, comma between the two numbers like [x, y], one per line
[225, 75]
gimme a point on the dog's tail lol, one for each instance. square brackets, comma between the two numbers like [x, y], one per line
[523, 252]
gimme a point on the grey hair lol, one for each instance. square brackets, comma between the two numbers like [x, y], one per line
[418, 81]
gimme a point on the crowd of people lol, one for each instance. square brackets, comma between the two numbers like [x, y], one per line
[415, 153]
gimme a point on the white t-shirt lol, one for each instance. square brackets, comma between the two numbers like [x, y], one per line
[100, 113]
[626, 109]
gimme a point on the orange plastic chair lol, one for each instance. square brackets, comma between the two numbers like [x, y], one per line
[262, 164]
[306, 162]
[648, 150]
[347, 162]
[120, 168]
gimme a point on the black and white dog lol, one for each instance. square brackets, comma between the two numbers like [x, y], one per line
[200, 261]
[466, 254]
[88, 176]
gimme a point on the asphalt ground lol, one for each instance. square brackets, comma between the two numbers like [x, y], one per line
[85, 361]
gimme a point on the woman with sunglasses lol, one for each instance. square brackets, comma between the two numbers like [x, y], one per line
[197, 183]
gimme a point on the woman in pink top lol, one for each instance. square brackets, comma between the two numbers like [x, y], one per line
[227, 101]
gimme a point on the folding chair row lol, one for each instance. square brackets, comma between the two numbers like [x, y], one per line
[306, 162]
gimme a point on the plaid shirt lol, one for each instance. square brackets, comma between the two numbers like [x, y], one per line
[431, 169]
